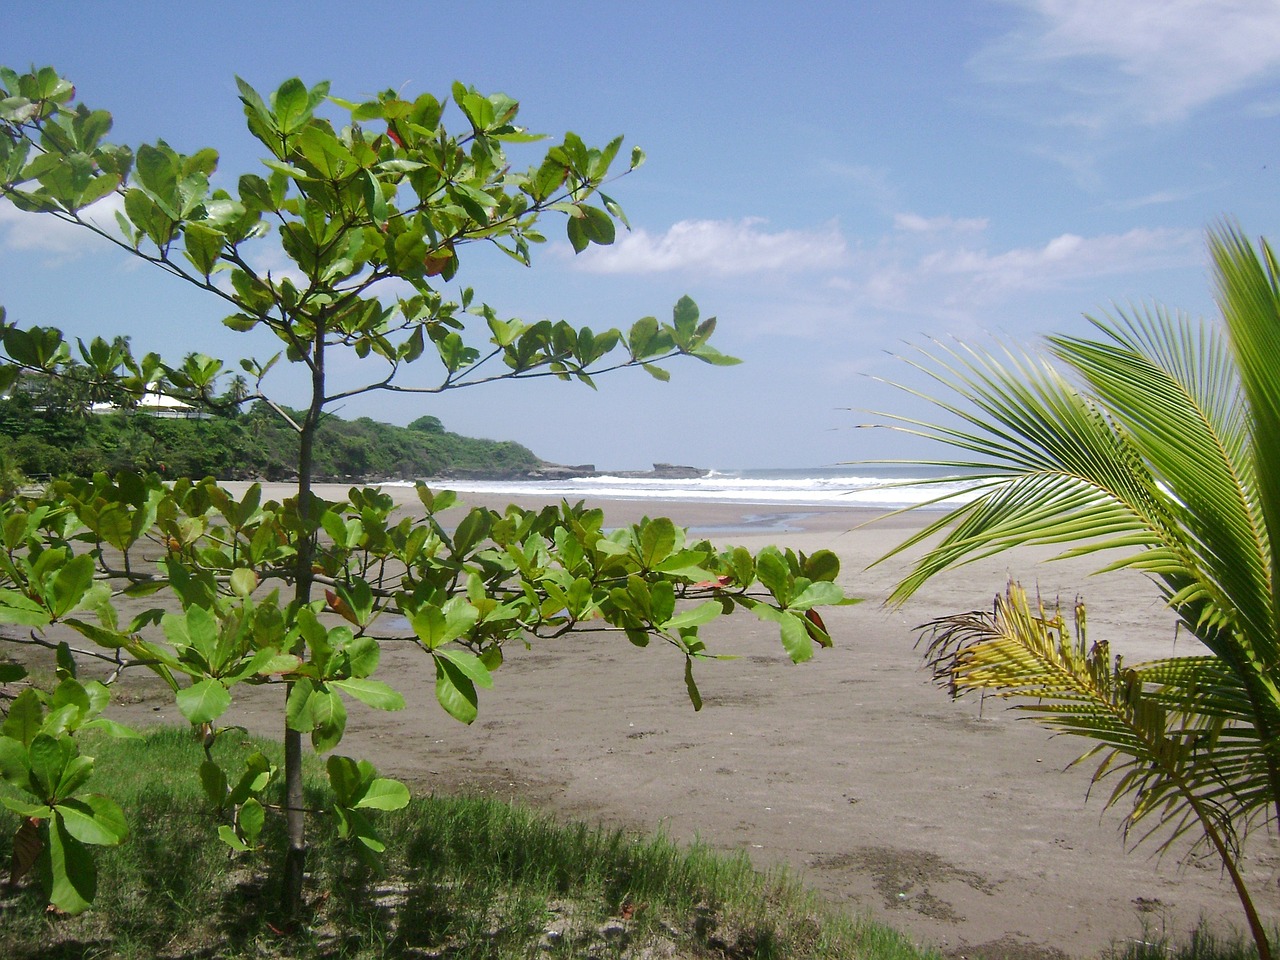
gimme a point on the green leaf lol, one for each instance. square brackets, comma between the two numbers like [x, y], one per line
[250, 819]
[26, 715]
[243, 581]
[695, 697]
[577, 232]
[203, 701]
[71, 584]
[658, 373]
[48, 757]
[227, 834]
[822, 593]
[373, 693]
[469, 664]
[94, 819]
[214, 782]
[823, 565]
[330, 716]
[12, 672]
[385, 794]
[455, 691]
[70, 878]
[703, 613]
[774, 573]
[598, 226]
[21, 610]
[657, 540]
[203, 246]
[795, 638]
[291, 105]
[15, 763]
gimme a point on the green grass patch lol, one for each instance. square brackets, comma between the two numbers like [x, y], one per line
[463, 878]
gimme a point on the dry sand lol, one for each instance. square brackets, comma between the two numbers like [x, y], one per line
[956, 822]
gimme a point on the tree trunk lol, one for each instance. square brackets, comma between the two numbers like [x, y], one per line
[295, 862]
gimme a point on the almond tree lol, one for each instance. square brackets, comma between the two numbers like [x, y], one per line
[374, 214]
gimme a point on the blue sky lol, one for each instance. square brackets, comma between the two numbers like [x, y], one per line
[837, 182]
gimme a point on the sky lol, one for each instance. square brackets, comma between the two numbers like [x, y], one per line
[840, 184]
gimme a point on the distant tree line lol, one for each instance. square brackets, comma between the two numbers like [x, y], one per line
[41, 436]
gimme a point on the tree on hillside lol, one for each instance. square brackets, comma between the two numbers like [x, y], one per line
[1159, 439]
[291, 593]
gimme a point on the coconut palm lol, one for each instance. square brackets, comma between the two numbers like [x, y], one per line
[1159, 438]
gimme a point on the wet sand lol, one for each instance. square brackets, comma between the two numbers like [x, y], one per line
[954, 821]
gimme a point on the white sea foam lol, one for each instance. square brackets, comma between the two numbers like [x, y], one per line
[824, 486]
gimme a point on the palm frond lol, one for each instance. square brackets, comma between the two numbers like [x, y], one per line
[1177, 765]
[1248, 283]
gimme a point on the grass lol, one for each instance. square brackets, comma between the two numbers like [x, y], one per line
[1202, 945]
[464, 878]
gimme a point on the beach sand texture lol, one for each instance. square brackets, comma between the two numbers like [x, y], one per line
[954, 821]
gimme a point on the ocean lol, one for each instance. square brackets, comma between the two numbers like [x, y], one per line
[870, 486]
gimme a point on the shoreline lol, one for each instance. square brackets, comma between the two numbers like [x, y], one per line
[948, 820]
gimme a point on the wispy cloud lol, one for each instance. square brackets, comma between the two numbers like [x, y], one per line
[1062, 259]
[915, 223]
[721, 247]
[1152, 61]
[43, 233]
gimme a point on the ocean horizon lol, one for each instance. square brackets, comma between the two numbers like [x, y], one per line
[871, 486]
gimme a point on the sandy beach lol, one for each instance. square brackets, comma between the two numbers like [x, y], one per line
[953, 821]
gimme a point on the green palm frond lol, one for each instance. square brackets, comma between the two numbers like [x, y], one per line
[1158, 437]
[1176, 765]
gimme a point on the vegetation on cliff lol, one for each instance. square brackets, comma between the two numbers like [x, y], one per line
[38, 438]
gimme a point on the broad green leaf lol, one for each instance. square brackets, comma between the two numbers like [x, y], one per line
[363, 654]
[347, 778]
[822, 593]
[15, 763]
[291, 105]
[228, 835]
[385, 794]
[74, 776]
[204, 701]
[70, 585]
[795, 638]
[330, 717]
[373, 693]
[298, 706]
[823, 565]
[48, 757]
[21, 610]
[24, 720]
[71, 879]
[243, 581]
[35, 811]
[774, 573]
[111, 728]
[214, 782]
[455, 691]
[203, 246]
[657, 540]
[251, 818]
[703, 613]
[94, 819]
[469, 664]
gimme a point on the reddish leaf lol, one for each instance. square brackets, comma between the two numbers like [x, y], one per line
[26, 849]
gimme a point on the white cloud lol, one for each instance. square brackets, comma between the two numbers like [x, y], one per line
[1154, 61]
[1067, 257]
[723, 247]
[44, 233]
[914, 223]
